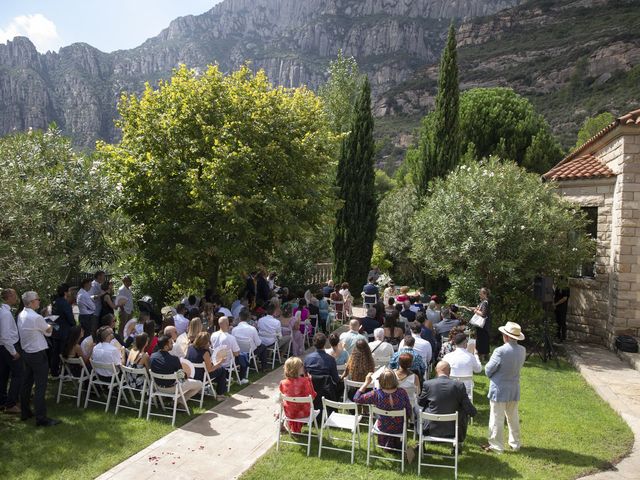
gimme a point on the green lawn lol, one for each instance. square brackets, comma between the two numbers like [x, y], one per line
[562, 421]
[87, 443]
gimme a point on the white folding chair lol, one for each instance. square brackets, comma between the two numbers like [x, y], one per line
[342, 421]
[374, 430]
[338, 312]
[309, 329]
[413, 398]
[95, 381]
[231, 369]
[274, 350]
[351, 384]
[452, 417]
[129, 383]
[369, 300]
[159, 392]
[66, 376]
[468, 384]
[341, 368]
[309, 421]
[246, 346]
[207, 384]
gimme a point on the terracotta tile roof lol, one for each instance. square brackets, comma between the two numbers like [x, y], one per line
[586, 166]
[581, 163]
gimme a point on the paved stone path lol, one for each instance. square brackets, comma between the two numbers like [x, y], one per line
[619, 385]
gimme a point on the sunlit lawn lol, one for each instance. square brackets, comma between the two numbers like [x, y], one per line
[567, 430]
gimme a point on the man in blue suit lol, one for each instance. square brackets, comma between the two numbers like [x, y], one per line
[503, 370]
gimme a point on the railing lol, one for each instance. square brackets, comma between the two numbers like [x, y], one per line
[322, 273]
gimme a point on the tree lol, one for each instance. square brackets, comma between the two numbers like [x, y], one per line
[494, 224]
[356, 217]
[340, 92]
[57, 212]
[500, 122]
[220, 170]
[439, 146]
[593, 125]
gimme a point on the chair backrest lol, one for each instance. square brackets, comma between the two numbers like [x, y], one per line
[134, 371]
[434, 417]
[246, 345]
[341, 368]
[339, 405]
[312, 317]
[105, 366]
[75, 361]
[388, 413]
[353, 384]
[370, 299]
[163, 376]
[308, 399]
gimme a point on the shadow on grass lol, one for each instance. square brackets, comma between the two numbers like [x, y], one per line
[566, 457]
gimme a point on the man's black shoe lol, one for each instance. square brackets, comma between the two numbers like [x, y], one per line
[47, 422]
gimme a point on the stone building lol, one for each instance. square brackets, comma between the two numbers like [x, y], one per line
[603, 177]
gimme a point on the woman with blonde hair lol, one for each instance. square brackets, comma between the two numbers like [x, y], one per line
[195, 327]
[296, 383]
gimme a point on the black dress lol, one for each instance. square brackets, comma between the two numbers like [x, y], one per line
[482, 334]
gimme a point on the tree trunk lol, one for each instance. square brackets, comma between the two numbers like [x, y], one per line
[214, 275]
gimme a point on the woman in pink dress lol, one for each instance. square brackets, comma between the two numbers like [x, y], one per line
[296, 384]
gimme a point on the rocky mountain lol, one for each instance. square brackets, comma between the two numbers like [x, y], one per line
[580, 53]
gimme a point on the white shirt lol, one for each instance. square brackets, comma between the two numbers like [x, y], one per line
[383, 353]
[87, 344]
[269, 330]
[422, 346]
[180, 346]
[185, 302]
[220, 340]
[433, 315]
[235, 310]
[86, 305]
[225, 311]
[181, 322]
[106, 353]
[463, 363]
[96, 289]
[125, 292]
[8, 329]
[245, 331]
[32, 329]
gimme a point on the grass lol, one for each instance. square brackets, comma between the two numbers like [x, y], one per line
[87, 443]
[567, 431]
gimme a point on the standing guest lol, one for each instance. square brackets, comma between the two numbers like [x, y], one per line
[323, 312]
[369, 323]
[164, 363]
[561, 304]
[360, 362]
[304, 311]
[248, 332]
[250, 288]
[421, 346]
[223, 340]
[33, 329]
[87, 308]
[320, 363]
[271, 280]
[65, 321]
[336, 350]
[463, 360]
[296, 328]
[442, 396]
[11, 364]
[106, 352]
[482, 334]
[124, 301]
[181, 322]
[296, 384]
[351, 336]
[374, 273]
[327, 290]
[263, 292]
[150, 329]
[338, 301]
[199, 353]
[108, 307]
[380, 350]
[97, 292]
[347, 298]
[503, 371]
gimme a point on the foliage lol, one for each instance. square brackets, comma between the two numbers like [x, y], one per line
[340, 92]
[493, 224]
[220, 170]
[593, 125]
[383, 184]
[379, 258]
[500, 122]
[356, 218]
[56, 212]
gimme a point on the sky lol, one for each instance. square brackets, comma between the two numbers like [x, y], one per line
[105, 24]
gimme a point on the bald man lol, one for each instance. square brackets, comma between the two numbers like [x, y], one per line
[441, 396]
[350, 337]
[222, 340]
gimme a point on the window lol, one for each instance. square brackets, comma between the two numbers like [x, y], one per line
[588, 268]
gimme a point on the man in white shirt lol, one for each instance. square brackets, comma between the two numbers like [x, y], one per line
[382, 351]
[423, 347]
[180, 345]
[245, 333]
[464, 361]
[124, 301]
[86, 309]
[105, 352]
[270, 328]
[223, 340]
[181, 322]
[171, 332]
[32, 329]
[350, 337]
[96, 291]
[432, 313]
[10, 360]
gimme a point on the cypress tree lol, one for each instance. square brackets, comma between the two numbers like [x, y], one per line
[439, 150]
[356, 219]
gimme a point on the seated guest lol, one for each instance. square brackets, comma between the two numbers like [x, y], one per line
[237, 306]
[404, 295]
[444, 326]
[320, 363]
[370, 289]
[418, 366]
[137, 357]
[164, 363]
[338, 302]
[360, 362]
[380, 350]
[463, 362]
[406, 378]
[389, 292]
[426, 332]
[248, 333]
[347, 298]
[327, 290]
[195, 327]
[369, 323]
[109, 320]
[179, 320]
[72, 349]
[351, 336]
[150, 330]
[199, 353]
[134, 327]
[390, 306]
[442, 396]
[407, 313]
[450, 345]
[209, 318]
[105, 352]
[393, 332]
[433, 314]
[296, 384]
[336, 350]
[219, 308]
[421, 346]
[270, 329]
[223, 340]
[171, 331]
[387, 397]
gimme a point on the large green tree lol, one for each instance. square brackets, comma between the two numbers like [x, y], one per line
[340, 92]
[438, 150]
[593, 125]
[56, 212]
[356, 218]
[220, 169]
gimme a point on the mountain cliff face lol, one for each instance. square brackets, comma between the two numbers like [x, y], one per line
[292, 40]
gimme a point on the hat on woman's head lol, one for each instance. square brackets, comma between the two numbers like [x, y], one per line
[513, 330]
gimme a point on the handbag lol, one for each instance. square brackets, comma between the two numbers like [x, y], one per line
[477, 320]
[626, 343]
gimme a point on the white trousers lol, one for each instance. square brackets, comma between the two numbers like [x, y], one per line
[190, 387]
[496, 425]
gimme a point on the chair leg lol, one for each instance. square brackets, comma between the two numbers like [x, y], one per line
[60, 388]
[175, 407]
[120, 390]
[309, 437]
[144, 387]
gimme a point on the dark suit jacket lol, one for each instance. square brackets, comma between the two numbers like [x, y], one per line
[369, 324]
[440, 396]
[66, 320]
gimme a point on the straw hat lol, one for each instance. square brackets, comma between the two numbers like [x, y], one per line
[513, 330]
